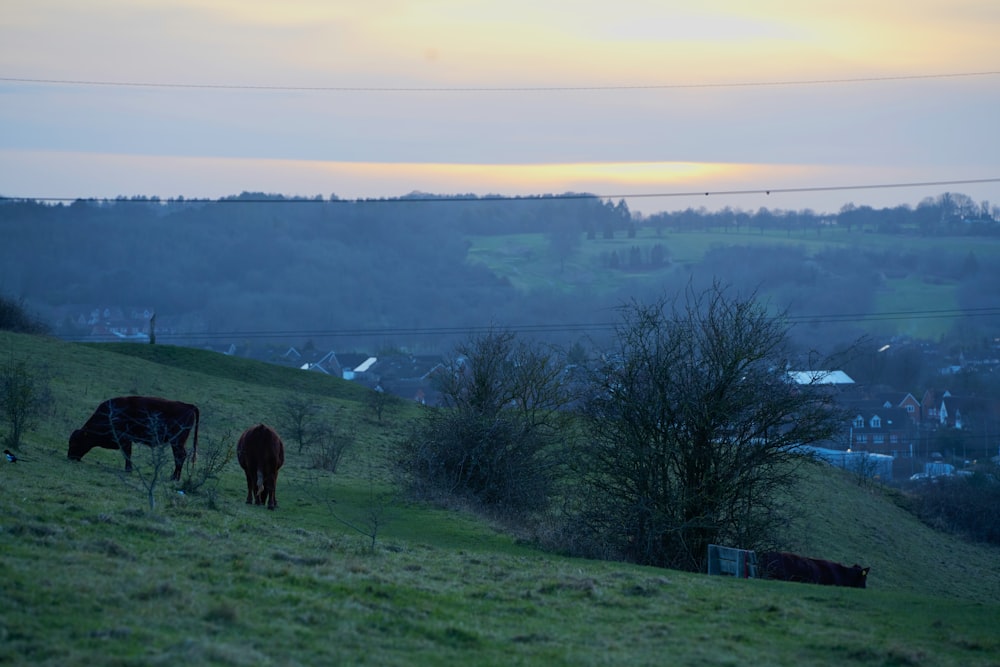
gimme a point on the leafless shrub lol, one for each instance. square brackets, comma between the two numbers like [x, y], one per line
[24, 398]
[298, 421]
[330, 445]
[374, 513]
[147, 475]
[159, 434]
[377, 400]
[214, 455]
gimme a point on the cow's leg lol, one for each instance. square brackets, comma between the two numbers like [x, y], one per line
[180, 454]
[251, 484]
[270, 486]
[126, 446]
[260, 488]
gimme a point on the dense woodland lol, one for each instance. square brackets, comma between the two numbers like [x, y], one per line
[396, 272]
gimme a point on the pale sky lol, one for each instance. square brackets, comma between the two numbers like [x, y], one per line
[386, 97]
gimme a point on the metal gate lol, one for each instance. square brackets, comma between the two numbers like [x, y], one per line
[731, 562]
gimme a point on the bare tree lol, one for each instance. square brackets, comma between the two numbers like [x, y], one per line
[297, 420]
[378, 501]
[694, 424]
[865, 468]
[364, 515]
[162, 456]
[377, 400]
[24, 396]
[213, 457]
[493, 440]
[303, 422]
[331, 443]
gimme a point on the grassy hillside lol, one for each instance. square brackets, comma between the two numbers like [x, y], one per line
[528, 263]
[92, 576]
[519, 256]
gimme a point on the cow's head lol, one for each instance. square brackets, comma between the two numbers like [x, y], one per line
[860, 576]
[79, 444]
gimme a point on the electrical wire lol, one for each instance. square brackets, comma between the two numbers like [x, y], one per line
[495, 198]
[573, 327]
[498, 89]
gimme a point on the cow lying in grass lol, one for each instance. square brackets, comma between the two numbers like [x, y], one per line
[791, 567]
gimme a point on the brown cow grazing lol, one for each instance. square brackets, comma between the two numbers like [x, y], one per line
[118, 422]
[791, 567]
[261, 453]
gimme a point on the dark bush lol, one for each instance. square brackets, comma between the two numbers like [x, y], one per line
[14, 316]
[492, 461]
[25, 397]
[963, 505]
[494, 439]
[329, 448]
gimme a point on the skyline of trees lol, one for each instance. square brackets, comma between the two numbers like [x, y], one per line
[255, 262]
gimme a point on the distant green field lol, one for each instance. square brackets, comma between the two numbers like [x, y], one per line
[914, 295]
[515, 255]
[92, 576]
[528, 263]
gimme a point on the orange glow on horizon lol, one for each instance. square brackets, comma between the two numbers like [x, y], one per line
[90, 175]
[544, 178]
[664, 185]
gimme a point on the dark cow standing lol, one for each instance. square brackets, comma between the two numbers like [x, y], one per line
[118, 422]
[791, 567]
[261, 453]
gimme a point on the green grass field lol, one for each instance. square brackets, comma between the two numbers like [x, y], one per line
[92, 576]
[527, 262]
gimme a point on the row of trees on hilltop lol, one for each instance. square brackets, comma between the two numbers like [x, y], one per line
[949, 214]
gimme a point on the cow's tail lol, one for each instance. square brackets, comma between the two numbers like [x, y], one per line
[194, 447]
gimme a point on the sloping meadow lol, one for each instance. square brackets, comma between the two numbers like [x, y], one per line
[346, 571]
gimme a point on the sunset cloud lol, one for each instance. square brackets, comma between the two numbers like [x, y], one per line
[384, 97]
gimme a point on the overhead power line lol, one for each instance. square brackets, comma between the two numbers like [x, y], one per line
[496, 89]
[572, 327]
[533, 198]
